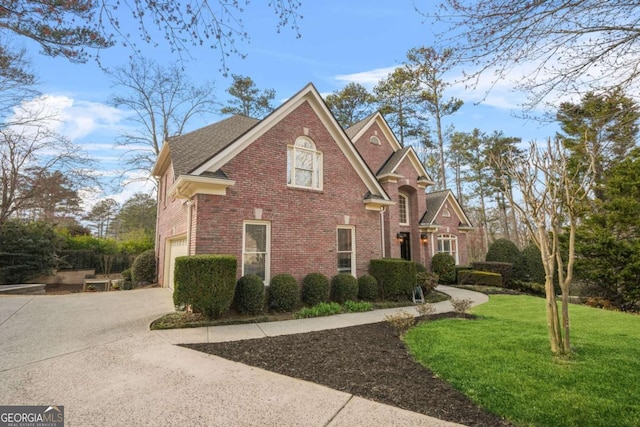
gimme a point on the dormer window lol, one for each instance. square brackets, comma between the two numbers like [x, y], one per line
[304, 164]
[403, 209]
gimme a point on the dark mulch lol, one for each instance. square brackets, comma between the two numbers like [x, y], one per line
[369, 361]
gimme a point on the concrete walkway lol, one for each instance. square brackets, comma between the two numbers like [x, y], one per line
[94, 354]
[288, 327]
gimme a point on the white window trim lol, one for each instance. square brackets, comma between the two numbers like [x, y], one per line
[317, 178]
[404, 197]
[450, 238]
[267, 261]
[353, 248]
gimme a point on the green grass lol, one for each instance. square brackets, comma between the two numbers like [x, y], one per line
[503, 362]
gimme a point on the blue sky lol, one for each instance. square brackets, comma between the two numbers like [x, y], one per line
[342, 42]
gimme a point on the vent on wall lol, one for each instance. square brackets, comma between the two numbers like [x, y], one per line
[374, 140]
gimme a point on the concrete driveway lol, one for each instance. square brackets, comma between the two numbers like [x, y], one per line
[93, 354]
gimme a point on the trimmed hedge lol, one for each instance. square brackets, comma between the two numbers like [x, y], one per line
[283, 292]
[315, 289]
[444, 266]
[479, 278]
[505, 269]
[143, 269]
[344, 287]
[206, 282]
[396, 277]
[504, 250]
[367, 288]
[249, 296]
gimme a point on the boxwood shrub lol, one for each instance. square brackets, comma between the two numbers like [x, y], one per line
[315, 289]
[367, 288]
[206, 282]
[283, 292]
[444, 266]
[249, 297]
[396, 277]
[143, 269]
[344, 287]
[505, 269]
[479, 278]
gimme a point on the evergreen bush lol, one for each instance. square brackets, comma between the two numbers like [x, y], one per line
[143, 269]
[505, 269]
[396, 277]
[479, 278]
[344, 287]
[315, 289]
[249, 296]
[534, 270]
[444, 266]
[283, 292]
[26, 251]
[206, 282]
[367, 288]
[504, 250]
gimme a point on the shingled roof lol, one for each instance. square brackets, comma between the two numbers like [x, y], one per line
[393, 161]
[356, 127]
[190, 150]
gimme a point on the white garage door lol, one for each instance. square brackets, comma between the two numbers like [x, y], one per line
[176, 248]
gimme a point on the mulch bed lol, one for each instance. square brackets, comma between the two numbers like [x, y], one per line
[368, 361]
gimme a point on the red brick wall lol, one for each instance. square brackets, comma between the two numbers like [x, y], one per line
[374, 155]
[448, 225]
[172, 219]
[303, 222]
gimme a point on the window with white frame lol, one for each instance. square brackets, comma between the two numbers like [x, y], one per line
[403, 208]
[304, 164]
[256, 252]
[346, 250]
[448, 244]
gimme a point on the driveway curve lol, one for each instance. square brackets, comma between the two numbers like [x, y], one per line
[93, 353]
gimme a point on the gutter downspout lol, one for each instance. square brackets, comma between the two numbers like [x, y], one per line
[189, 216]
[382, 242]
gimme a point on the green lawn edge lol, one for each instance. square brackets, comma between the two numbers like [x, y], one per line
[502, 361]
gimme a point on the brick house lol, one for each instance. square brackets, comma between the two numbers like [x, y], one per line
[295, 193]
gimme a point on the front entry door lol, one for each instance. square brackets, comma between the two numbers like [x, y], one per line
[405, 246]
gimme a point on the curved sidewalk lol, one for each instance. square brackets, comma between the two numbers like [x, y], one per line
[209, 334]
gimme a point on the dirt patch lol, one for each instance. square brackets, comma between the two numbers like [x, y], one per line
[369, 361]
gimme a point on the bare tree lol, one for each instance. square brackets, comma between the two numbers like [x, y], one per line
[589, 43]
[71, 28]
[427, 67]
[551, 202]
[28, 154]
[162, 102]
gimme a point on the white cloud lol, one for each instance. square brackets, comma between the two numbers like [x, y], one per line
[367, 79]
[74, 118]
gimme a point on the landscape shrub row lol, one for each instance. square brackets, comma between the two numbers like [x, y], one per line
[205, 283]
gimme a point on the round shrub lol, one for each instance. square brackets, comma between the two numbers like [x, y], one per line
[344, 287]
[444, 266]
[126, 275]
[143, 269]
[367, 288]
[249, 296]
[504, 250]
[315, 289]
[534, 269]
[426, 281]
[283, 292]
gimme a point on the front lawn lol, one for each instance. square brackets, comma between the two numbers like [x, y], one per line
[503, 363]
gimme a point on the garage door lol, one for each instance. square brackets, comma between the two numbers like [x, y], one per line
[177, 247]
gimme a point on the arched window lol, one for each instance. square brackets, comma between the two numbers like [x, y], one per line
[304, 164]
[448, 244]
[403, 208]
